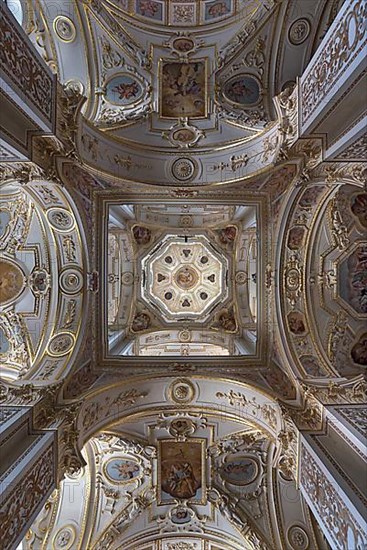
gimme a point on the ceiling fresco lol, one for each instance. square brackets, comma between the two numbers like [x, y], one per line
[182, 280]
[187, 478]
[177, 92]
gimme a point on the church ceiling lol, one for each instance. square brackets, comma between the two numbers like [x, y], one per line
[197, 475]
[41, 243]
[182, 279]
[178, 93]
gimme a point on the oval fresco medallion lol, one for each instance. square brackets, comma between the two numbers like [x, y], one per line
[183, 44]
[359, 208]
[122, 470]
[241, 470]
[359, 351]
[4, 221]
[242, 90]
[4, 343]
[12, 281]
[123, 90]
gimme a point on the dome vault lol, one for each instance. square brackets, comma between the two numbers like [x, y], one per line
[185, 277]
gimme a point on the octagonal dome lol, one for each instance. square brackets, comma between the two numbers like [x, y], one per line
[185, 277]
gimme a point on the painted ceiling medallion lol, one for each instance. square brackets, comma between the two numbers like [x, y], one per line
[185, 278]
[183, 45]
[240, 470]
[64, 28]
[124, 89]
[242, 90]
[12, 281]
[184, 169]
[122, 470]
[183, 135]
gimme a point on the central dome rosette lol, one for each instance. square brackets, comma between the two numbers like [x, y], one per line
[185, 277]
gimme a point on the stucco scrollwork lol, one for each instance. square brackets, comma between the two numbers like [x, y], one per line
[339, 522]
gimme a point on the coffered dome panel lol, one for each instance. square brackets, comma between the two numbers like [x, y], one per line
[185, 277]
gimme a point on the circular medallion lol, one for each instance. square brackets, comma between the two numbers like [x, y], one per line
[127, 278]
[12, 281]
[299, 31]
[60, 219]
[184, 335]
[61, 344]
[122, 470]
[184, 169]
[242, 90]
[64, 538]
[239, 470]
[186, 221]
[123, 89]
[298, 538]
[71, 281]
[181, 391]
[241, 277]
[64, 28]
[186, 277]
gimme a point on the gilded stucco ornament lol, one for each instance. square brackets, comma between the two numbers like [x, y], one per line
[336, 517]
[183, 135]
[293, 279]
[64, 538]
[288, 438]
[64, 28]
[339, 230]
[299, 31]
[61, 344]
[71, 280]
[95, 411]
[60, 219]
[39, 281]
[184, 169]
[239, 399]
[181, 391]
[353, 391]
[298, 538]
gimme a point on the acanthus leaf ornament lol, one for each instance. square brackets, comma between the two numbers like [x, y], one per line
[240, 400]
[293, 280]
[339, 230]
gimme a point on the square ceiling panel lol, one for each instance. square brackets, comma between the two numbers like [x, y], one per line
[180, 279]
